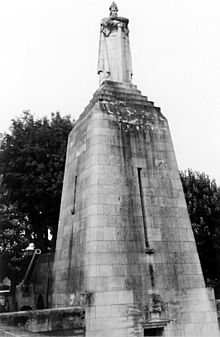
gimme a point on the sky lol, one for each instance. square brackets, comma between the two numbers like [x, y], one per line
[49, 55]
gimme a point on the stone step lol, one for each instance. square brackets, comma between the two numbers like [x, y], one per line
[134, 94]
[129, 99]
[124, 92]
[123, 96]
[120, 90]
[119, 85]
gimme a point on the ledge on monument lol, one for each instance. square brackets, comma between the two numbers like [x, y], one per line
[115, 88]
[155, 323]
[46, 319]
[119, 85]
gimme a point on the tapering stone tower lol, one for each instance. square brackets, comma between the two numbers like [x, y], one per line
[125, 247]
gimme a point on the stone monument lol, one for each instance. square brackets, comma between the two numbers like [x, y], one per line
[125, 247]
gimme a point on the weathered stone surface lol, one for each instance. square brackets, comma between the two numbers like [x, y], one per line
[44, 320]
[128, 251]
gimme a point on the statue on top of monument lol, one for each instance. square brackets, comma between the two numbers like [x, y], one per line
[114, 63]
[108, 24]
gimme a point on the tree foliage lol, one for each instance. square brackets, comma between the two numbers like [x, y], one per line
[14, 238]
[203, 202]
[32, 160]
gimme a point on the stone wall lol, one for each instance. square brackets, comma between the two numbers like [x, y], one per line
[43, 321]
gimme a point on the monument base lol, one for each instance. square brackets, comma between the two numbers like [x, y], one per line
[125, 245]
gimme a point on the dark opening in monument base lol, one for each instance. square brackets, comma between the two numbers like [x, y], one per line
[153, 332]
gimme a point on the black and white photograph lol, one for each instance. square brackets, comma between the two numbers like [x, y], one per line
[109, 168]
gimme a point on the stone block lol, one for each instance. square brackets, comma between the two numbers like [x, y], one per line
[106, 270]
[104, 311]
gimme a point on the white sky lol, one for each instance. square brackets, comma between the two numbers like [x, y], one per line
[48, 62]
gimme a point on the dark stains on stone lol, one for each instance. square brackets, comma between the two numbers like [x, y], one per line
[125, 96]
[69, 259]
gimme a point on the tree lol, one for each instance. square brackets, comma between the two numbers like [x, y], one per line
[14, 238]
[32, 160]
[203, 202]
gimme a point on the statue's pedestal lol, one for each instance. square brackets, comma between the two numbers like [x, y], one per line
[125, 246]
